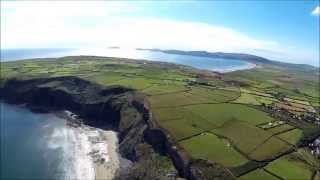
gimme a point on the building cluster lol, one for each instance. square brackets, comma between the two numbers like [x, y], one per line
[311, 117]
[286, 115]
[315, 147]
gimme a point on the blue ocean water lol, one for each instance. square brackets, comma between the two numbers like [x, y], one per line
[19, 54]
[24, 149]
[214, 64]
[42, 146]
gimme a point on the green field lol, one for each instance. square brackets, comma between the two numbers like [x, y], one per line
[168, 113]
[290, 169]
[171, 100]
[247, 99]
[165, 88]
[211, 147]
[270, 149]
[292, 136]
[106, 78]
[258, 174]
[215, 94]
[245, 136]
[180, 128]
[219, 114]
[181, 123]
[280, 129]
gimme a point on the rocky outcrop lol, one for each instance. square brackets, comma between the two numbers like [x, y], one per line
[121, 109]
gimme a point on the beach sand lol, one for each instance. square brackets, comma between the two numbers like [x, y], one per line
[107, 170]
[106, 161]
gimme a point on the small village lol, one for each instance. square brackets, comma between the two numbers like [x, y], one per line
[315, 148]
[287, 116]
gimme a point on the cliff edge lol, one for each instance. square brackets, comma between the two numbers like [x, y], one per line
[122, 109]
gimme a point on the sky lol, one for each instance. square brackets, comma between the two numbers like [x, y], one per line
[279, 30]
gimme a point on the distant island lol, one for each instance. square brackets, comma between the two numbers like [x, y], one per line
[114, 47]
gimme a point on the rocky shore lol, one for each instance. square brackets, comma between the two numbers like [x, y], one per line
[124, 110]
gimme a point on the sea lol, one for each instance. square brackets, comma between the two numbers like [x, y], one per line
[214, 64]
[42, 146]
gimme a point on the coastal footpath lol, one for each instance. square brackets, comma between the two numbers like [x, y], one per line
[125, 110]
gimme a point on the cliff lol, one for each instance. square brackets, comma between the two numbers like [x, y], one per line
[122, 109]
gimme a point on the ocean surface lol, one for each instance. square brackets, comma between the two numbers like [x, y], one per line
[42, 146]
[214, 64]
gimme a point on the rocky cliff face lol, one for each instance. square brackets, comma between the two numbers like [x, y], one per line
[122, 109]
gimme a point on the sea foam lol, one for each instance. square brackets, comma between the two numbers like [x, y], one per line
[79, 149]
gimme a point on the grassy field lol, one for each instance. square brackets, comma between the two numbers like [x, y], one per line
[203, 112]
[247, 99]
[243, 135]
[258, 174]
[214, 94]
[217, 149]
[172, 100]
[181, 123]
[181, 128]
[219, 114]
[165, 88]
[292, 136]
[280, 129]
[288, 168]
[270, 149]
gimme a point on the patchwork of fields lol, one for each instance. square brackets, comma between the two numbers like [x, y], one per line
[207, 116]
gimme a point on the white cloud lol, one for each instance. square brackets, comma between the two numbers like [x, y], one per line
[103, 24]
[51, 24]
[316, 11]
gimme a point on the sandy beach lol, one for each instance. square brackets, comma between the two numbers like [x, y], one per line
[106, 170]
[103, 150]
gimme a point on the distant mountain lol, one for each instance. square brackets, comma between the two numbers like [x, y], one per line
[241, 56]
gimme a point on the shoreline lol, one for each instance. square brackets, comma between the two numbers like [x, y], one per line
[114, 53]
[249, 66]
[104, 153]
[106, 170]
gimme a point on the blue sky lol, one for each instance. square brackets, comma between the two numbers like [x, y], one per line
[281, 30]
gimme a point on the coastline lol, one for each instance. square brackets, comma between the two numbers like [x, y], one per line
[252, 66]
[90, 152]
[122, 109]
[106, 170]
[248, 66]
[104, 147]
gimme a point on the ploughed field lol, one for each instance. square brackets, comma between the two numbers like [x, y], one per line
[232, 119]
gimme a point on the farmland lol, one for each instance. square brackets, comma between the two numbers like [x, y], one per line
[221, 151]
[290, 169]
[207, 115]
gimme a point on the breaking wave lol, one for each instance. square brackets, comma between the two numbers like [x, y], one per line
[78, 148]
